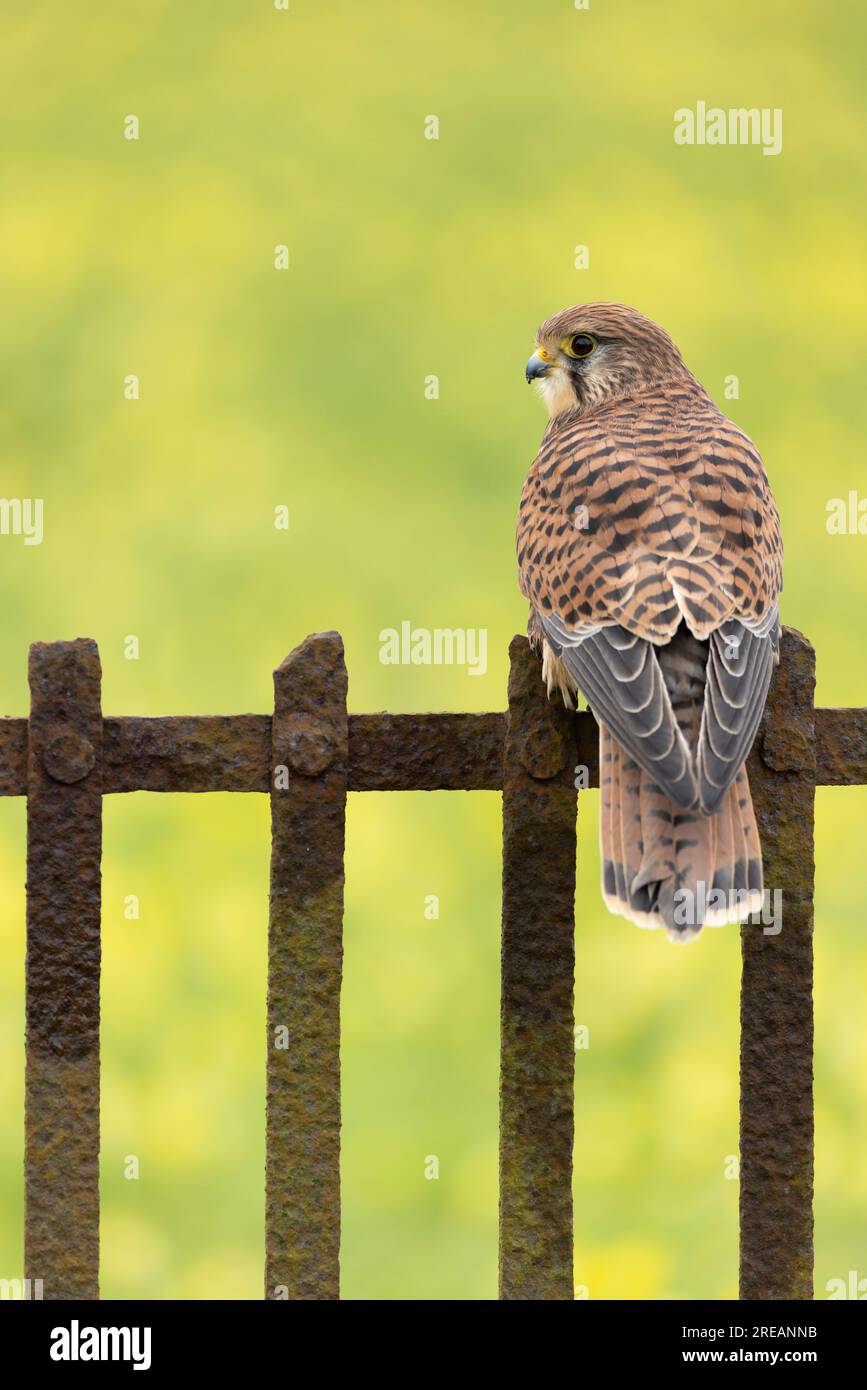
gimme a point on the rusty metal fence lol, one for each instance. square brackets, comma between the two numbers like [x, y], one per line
[307, 756]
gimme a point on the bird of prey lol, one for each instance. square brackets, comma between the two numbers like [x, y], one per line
[649, 549]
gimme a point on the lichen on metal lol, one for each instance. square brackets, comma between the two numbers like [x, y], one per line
[67, 757]
[200, 753]
[13, 757]
[64, 845]
[537, 1032]
[776, 1162]
[188, 753]
[387, 752]
[426, 752]
[841, 747]
[305, 953]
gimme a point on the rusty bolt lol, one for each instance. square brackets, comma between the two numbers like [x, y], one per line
[69, 758]
[309, 744]
[543, 752]
[786, 748]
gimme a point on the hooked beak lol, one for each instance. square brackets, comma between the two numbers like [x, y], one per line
[539, 365]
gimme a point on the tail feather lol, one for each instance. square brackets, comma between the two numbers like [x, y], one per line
[747, 816]
[724, 869]
[666, 866]
[657, 836]
[630, 830]
[621, 871]
[621, 779]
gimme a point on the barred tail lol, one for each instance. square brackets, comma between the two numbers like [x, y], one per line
[664, 865]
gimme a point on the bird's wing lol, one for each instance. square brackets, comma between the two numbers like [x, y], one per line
[632, 519]
[620, 675]
[739, 667]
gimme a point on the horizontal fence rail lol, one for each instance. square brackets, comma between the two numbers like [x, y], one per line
[307, 755]
[387, 752]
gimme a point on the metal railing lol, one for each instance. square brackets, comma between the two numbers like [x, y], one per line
[308, 755]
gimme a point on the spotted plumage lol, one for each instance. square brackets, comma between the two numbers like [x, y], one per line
[649, 548]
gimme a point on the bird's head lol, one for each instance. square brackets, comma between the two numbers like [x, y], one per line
[593, 353]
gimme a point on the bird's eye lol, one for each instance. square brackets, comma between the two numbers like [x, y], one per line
[578, 345]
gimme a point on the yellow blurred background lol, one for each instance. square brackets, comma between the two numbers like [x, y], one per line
[408, 258]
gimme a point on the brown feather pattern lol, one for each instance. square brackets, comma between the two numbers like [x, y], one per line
[649, 548]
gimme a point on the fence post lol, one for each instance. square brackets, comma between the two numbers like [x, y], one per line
[776, 1173]
[64, 846]
[537, 1057]
[305, 955]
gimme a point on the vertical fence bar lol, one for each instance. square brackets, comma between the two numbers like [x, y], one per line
[64, 846]
[305, 957]
[776, 1183]
[537, 1057]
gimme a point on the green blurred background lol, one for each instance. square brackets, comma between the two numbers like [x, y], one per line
[408, 257]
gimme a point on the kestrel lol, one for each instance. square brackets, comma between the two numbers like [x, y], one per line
[649, 548]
